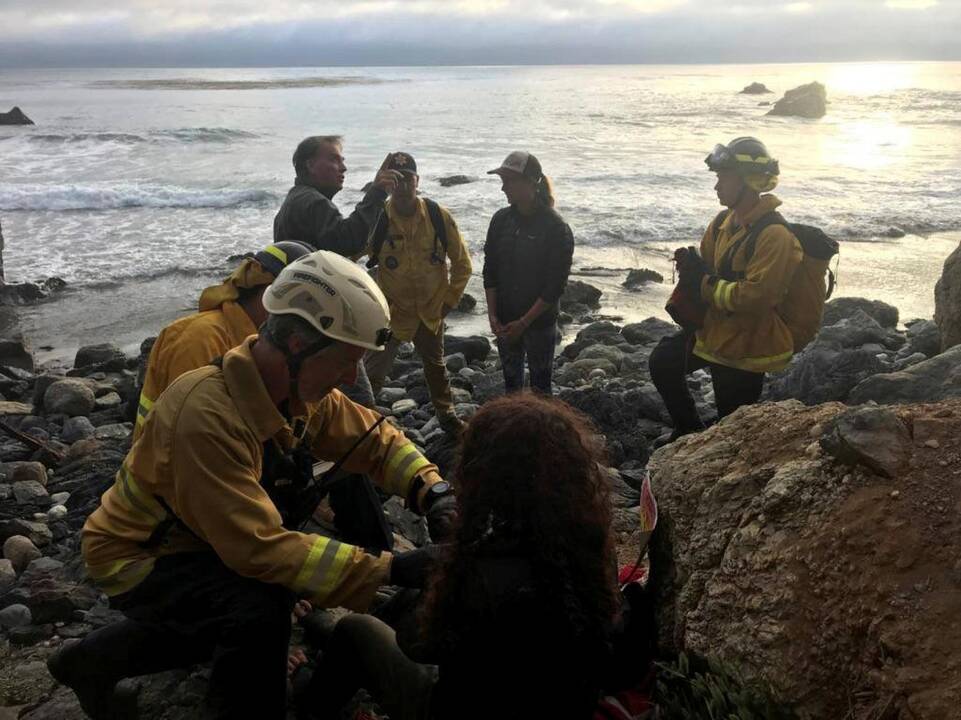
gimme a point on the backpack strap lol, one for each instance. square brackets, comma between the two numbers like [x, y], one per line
[749, 241]
[716, 224]
[440, 227]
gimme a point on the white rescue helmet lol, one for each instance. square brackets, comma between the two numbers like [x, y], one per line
[335, 296]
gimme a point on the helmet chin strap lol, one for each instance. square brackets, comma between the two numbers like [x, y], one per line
[295, 360]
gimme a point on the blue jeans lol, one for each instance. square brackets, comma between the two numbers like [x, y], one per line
[537, 344]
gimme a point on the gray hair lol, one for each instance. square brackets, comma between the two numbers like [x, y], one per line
[308, 147]
[278, 329]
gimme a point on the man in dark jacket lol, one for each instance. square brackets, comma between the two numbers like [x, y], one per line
[309, 214]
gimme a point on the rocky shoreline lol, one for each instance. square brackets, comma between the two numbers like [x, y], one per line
[750, 547]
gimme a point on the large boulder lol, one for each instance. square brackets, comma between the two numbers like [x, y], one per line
[807, 101]
[647, 331]
[755, 88]
[936, 379]
[105, 357]
[860, 329]
[638, 278]
[16, 116]
[70, 396]
[844, 307]
[474, 347]
[870, 436]
[821, 373]
[947, 301]
[813, 576]
[14, 353]
[579, 292]
[924, 337]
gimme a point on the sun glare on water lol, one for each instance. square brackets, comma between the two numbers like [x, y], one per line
[871, 78]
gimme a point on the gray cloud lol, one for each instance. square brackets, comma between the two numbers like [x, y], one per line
[390, 32]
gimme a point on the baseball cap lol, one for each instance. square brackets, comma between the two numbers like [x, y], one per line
[520, 162]
[402, 162]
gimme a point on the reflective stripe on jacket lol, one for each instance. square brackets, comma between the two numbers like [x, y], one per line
[743, 328]
[201, 452]
[187, 344]
[416, 287]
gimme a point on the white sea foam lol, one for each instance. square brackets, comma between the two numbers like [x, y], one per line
[116, 196]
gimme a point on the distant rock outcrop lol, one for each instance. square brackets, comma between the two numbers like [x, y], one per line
[947, 301]
[807, 101]
[755, 88]
[15, 117]
[639, 277]
[450, 180]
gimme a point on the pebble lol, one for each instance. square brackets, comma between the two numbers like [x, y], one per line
[895, 493]
[932, 443]
[60, 498]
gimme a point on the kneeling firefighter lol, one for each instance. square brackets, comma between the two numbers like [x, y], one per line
[188, 544]
[750, 299]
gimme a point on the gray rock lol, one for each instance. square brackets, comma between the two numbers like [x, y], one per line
[389, 395]
[15, 353]
[582, 293]
[57, 513]
[947, 301]
[60, 498]
[460, 395]
[639, 277]
[8, 576]
[474, 347]
[648, 331]
[20, 551]
[611, 354]
[76, 428]
[402, 407]
[870, 436]
[913, 359]
[104, 354]
[455, 362]
[8, 407]
[935, 379]
[16, 116]
[29, 472]
[38, 532]
[6, 491]
[755, 88]
[859, 329]
[30, 492]
[109, 400]
[822, 373]
[845, 307]
[30, 634]
[807, 101]
[28, 683]
[597, 330]
[15, 616]
[451, 180]
[51, 596]
[70, 397]
[114, 431]
[924, 337]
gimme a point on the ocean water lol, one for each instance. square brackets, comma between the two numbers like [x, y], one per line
[136, 185]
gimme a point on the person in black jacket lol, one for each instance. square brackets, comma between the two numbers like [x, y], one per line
[527, 258]
[517, 618]
[309, 214]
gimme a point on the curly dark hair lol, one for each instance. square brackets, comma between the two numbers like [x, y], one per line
[530, 476]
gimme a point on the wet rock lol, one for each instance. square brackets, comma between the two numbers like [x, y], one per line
[70, 397]
[755, 88]
[15, 616]
[648, 331]
[924, 337]
[60, 498]
[455, 362]
[76, 428]
[845, 307]
[389, 395]
[579, 292]
[947, 301]
[935, 379]
[40, 387]
[639, 278]
[451, 180]
[807, 101]
[474, 347]
[466, 304]
[50, 594]
[402, 407]
[8, 576]
[105, 356]
[870, 436]
[822, 372]
[15, 353]
[16, 116]
[108, 400]
[28, 292]
[859, 329]
[29, 472]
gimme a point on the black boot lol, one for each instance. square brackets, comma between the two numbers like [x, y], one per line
[77, 667]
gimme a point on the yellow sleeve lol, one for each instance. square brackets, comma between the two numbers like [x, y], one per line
[767, 276]
[217, 494]
[460, 264]
[386, 454]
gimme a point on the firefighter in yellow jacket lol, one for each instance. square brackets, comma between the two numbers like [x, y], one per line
[188, 544]
[411, 245]
[743, 334]
[229, 313]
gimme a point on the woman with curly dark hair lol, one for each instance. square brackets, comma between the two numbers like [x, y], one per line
[517, 615]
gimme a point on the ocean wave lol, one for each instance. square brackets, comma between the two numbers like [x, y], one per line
[181, 135]
[112, 197]
[201, 84]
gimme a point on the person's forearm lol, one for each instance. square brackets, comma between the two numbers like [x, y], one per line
[491, 294]
[536, 310]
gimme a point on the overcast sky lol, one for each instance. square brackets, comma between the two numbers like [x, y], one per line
[425, 32]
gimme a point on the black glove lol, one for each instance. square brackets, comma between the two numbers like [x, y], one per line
[441, 516]
[691, 269]
[410, 569]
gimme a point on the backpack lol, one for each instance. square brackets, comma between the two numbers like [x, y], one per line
[379, 234]
[818, 249]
